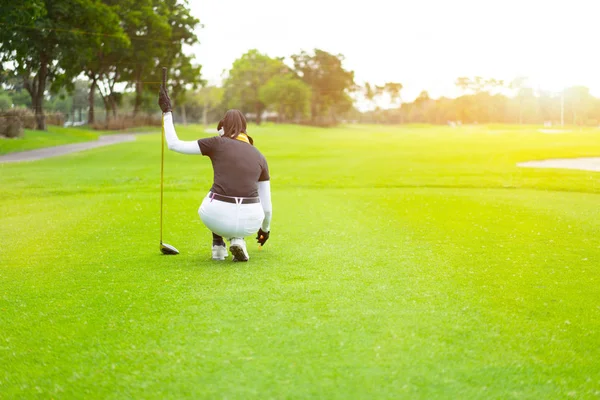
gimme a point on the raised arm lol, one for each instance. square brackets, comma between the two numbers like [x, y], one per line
[173, 142]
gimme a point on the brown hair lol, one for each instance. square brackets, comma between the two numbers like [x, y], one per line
[233, 123]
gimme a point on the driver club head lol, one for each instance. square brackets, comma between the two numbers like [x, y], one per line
[168, 249]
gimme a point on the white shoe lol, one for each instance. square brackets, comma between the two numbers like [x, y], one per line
[219, 253]
[238, 249]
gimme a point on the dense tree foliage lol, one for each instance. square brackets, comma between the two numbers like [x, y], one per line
[288, 96]
[47, 44]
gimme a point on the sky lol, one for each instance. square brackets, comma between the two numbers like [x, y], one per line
[423, 44]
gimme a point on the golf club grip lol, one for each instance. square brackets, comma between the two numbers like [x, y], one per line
[164, 77]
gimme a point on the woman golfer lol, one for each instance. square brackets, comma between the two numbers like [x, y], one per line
[239, 202]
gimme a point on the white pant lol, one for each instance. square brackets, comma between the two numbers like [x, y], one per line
[231, 220]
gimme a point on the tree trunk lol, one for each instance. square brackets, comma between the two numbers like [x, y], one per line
[106, 110]
[205, 113]
[113, 106]
[92, 95]
[400, 108]
[38, 95]
[139, 89]
[313, 109]
[258, 113]
[520, 112]
[183, 117]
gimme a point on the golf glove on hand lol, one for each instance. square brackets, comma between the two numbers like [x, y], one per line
[262, 237]
[164, 101]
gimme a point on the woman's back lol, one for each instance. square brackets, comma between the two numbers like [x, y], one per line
[238, 166]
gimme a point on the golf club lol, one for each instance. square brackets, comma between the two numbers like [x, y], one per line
[164, 248]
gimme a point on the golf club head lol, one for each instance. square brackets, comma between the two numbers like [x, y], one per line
[168, 249]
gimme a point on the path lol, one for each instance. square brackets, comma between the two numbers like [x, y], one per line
[47, 152]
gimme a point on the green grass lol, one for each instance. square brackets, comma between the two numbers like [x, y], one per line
[54, 136]
[404, 262]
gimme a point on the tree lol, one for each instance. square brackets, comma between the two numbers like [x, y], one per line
[158, 30]
[187, 77]
[149, 33]
[463, 83]
[579, 103]
[209, 98]
[43, 40]
[393, 90]
[288, 95]
[245, 79]
[329, 81]
[519, 86]
[369, 93]
[101, 63]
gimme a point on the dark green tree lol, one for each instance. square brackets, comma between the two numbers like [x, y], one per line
[41, 39]
[158, 31]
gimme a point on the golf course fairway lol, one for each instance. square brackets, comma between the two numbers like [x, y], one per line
[413, 262]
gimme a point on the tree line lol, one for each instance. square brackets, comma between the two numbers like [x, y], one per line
[492, 101]
[47, 44]
[69, 55]
[109, 53]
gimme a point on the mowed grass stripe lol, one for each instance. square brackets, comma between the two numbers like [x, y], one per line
[295, 297]
[381, 288]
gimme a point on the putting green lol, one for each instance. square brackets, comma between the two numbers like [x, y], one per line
[404, 262]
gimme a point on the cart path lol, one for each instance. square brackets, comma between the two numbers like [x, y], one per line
[55, 151]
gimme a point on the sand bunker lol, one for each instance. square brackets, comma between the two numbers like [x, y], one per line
[553, 131]
[583, 164]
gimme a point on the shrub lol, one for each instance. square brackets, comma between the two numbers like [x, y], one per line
[127, 122]
[11, 124]
[14, 120]
[55, 119]
[27, 118]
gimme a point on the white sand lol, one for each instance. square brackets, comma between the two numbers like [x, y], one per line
[553, 131]
[583, 164]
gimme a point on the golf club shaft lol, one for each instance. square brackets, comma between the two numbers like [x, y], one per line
[162, 158]
[162, 163]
